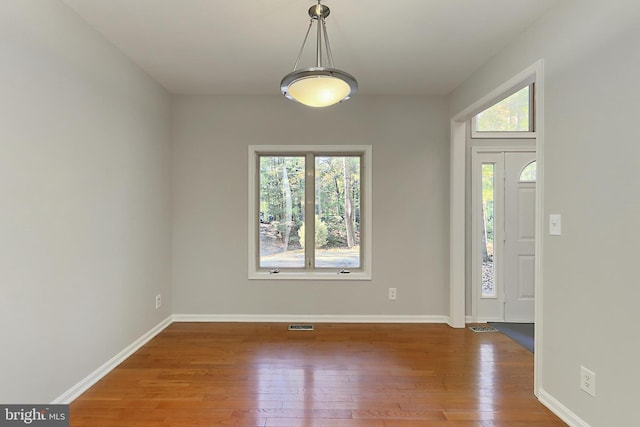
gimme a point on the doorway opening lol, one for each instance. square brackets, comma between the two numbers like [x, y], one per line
[459, 268]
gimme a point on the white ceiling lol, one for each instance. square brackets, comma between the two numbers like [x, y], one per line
[247, 46]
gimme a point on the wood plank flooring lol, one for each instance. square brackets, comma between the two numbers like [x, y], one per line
[377, 375]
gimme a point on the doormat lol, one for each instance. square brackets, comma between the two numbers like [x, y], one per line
[522, 333]
[483, 329]
[301, 327]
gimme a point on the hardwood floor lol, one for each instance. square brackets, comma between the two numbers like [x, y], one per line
[378, 375]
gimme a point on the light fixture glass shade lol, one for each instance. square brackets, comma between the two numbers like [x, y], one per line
[318, 87]
[319, 91]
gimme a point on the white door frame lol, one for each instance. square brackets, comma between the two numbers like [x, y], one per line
[457, 262]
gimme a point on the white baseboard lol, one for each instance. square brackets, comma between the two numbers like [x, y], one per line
[560, 410]
[75, 391]
[489, 319]
[451, 323]
[284, 318]
[469, 319]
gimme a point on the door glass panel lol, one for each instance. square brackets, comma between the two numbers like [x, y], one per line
[488, 269]
[337, 210]
[528, 174]
[281, 211]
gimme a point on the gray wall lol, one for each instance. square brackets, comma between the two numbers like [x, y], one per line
[591, 154]
[84, 201]
[409, 136]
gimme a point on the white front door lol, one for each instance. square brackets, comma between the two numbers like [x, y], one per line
[519, 236]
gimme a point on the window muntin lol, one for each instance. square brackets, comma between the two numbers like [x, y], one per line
[322, 187]
[512, 115]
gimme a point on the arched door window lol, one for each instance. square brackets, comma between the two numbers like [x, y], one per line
[528, 173]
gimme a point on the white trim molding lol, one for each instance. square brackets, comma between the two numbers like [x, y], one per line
[560, 410]
[457, 242]
[91, 379]
[539, 233]
[311, 318]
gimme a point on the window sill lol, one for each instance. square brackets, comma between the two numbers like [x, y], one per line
[312, 275]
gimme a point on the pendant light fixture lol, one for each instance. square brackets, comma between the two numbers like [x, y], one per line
[318, 86]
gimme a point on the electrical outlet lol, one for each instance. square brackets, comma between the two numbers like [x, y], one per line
[588, 381]
[393, 294]
[158, 301]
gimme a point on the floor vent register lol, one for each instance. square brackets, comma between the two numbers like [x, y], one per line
[300, 327]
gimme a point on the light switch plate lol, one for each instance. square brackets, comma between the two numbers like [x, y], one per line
[555, 222]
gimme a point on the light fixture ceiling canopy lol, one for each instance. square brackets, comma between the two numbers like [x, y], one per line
[318, 86]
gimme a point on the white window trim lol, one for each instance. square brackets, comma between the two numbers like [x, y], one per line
[500, 135]
[255, 273]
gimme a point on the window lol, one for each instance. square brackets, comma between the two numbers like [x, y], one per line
[309, 210]
[528, 173]
[488, 198]
[510, 117]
